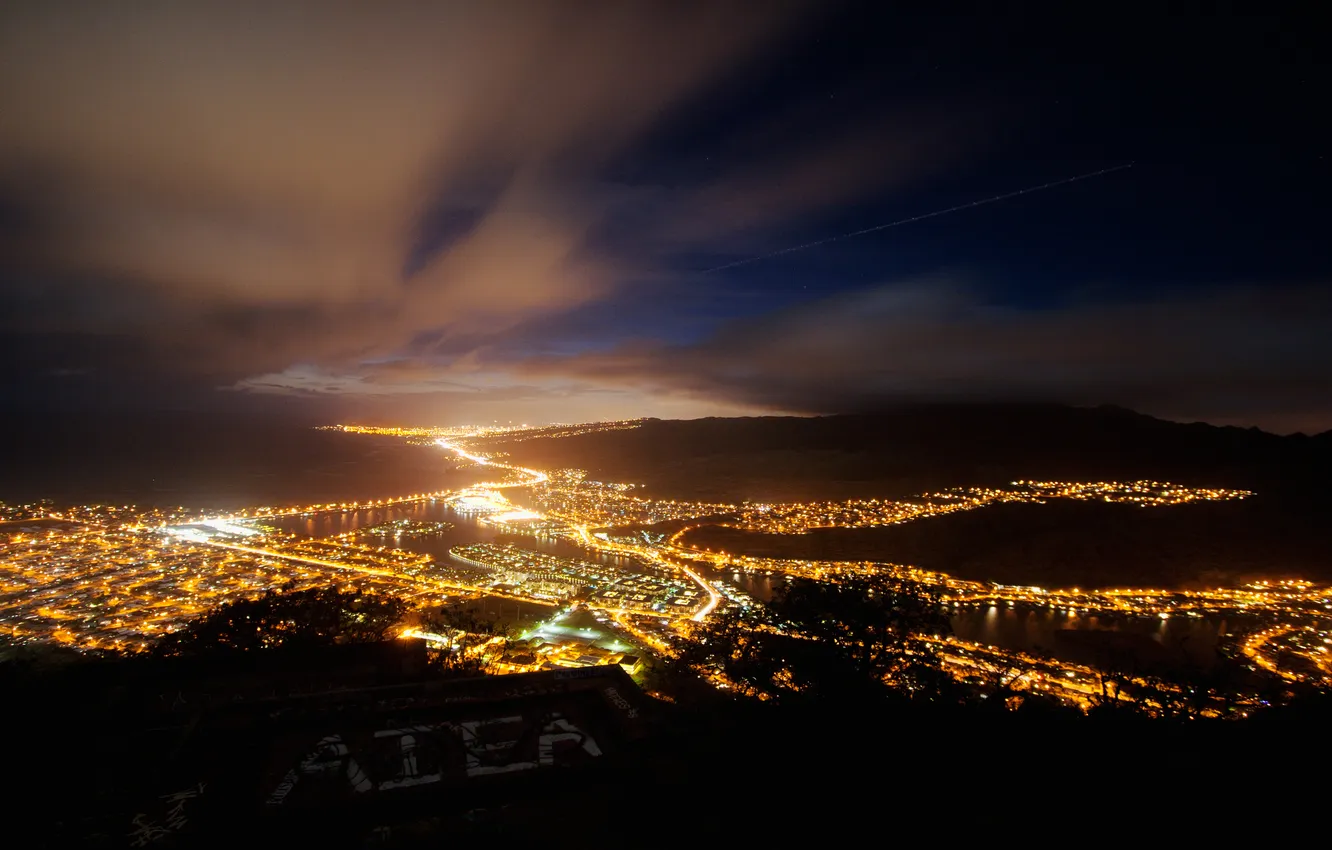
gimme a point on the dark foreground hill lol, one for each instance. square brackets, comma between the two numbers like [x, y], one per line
[360, 746]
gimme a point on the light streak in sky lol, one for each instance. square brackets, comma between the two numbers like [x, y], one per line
[921, 217]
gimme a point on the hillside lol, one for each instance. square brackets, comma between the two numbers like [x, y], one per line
[912, 450]
[1278, 533]
[1075, 544]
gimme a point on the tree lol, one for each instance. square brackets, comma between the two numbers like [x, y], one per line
[1173, 684]
[878, 623]
[861, 638]
[463, 637]
[307, 618]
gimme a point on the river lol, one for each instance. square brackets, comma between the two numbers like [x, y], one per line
[1027, 629]
[1038, 629]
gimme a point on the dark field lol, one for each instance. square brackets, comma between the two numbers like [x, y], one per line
[169, 461]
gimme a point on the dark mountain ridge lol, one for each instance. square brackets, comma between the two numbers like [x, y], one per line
[1278, 532]
[910, 450]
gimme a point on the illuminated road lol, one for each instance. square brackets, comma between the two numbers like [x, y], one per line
[536, 475]
[1254, 646]
[650, 554]
[714, 598]
[269, 553]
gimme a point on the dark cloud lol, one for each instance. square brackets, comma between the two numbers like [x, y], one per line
[1242, 355]
[480, 206]
[247, 187]
[305, 160]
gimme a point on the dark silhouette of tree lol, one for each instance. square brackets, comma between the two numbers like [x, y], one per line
[876, 622]
[304, 619]
[466, 643]
[998, 681]
[860, 639]
[1172, 685]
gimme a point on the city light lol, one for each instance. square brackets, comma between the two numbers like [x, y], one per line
[114, 576]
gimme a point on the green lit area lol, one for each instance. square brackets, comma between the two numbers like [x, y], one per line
[579, 624]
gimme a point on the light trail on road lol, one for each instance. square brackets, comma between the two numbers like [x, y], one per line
[537, 476]
[714, 598]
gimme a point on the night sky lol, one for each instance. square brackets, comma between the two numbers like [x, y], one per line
[460, 212]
